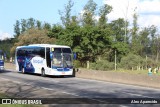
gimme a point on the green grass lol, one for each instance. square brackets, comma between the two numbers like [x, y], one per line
[145, 72]
[133, 71]
[2, 95]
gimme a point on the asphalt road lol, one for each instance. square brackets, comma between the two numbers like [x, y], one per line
[71, 87]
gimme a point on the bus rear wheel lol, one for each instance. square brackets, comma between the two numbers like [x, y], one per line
[43, 73]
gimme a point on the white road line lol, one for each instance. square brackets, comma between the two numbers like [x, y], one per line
[47, 88]
[123, 106]
[139, 95]
[61, 91]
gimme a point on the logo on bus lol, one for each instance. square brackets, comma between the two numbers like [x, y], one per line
[37, 61]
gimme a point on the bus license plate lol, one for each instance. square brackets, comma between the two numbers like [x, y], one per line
[63, 72]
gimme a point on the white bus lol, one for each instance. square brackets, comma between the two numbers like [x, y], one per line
[1, 60]
[44, 59]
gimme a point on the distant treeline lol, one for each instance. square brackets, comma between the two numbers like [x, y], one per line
[94, 40]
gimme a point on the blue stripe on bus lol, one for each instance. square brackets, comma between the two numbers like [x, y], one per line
[1, 63]
[61, 69]
[30, 70]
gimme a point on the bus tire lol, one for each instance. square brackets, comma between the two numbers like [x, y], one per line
[74, 73]
[43, 73]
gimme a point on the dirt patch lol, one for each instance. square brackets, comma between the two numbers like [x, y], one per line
[9, 66]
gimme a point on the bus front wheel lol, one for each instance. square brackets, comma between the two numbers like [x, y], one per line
[43, 73]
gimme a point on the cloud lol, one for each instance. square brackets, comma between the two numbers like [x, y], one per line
[147, 10]
[4, 36]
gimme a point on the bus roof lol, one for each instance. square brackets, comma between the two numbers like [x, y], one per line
[44, 45]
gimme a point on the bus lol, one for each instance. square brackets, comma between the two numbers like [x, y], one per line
[44, 59]
[1, 60]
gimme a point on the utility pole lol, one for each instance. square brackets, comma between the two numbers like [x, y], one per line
[115, 65]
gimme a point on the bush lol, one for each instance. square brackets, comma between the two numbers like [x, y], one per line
[77, 63]
[102, 65]
[132, 61]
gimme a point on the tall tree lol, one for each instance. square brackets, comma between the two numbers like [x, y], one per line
[154, 38]
[23, 25]
[47, 26]
[118, 29]
[31, 23]
[17, 29]
[118, 44]
[103, 12]
[144, 41]
[39, 24]
[89, 13]
[135, 40]
[38, 37]
[66, 15]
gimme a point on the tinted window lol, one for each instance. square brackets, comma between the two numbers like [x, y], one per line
[62, 50]
[32, 52]
[21, 52]
[57, 50]
[66, 50]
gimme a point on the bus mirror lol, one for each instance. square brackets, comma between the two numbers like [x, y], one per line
[51, 55]
[74, 56]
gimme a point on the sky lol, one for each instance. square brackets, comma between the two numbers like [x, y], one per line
[47, 11]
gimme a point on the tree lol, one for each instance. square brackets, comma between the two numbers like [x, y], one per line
[33, 36]
[39, 24]
[103, 12]
[6, 45]
[118, 29]
[67, 13]
[153, 35]
[31, 23]
[17, 29]
[144, 41]
[23, 25]
[89, 13]
[135, 40]
[47, 26]
[56, 31]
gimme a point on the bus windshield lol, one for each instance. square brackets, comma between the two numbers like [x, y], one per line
[1, 57]
[62, 57]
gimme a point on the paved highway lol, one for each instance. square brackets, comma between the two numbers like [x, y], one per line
[82, 88]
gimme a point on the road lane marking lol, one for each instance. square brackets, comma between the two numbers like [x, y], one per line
[73, 94]
[138, 95]
[112, 83]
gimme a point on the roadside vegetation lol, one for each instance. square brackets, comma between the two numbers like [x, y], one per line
[96, 41]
